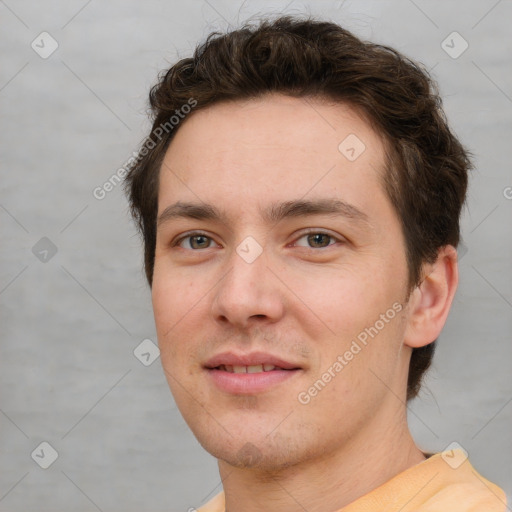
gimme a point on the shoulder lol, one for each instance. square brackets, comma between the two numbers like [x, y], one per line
[216, 504]
[467, 497]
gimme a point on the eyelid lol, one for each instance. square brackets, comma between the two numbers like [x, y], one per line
[318, 231]
[297, 236]
[189, 234]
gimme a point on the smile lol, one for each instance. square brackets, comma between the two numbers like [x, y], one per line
[254, 368]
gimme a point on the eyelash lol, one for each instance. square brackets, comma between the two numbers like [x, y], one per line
[191, 235]
[304, 234]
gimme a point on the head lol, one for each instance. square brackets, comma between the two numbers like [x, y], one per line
[320, 188]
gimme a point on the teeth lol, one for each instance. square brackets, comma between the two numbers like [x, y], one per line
[255, 368]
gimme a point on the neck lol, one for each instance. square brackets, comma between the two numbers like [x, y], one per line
[325, 483]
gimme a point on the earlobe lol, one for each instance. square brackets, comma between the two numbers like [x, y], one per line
[431, 300]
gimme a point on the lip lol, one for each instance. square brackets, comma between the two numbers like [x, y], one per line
[254, 358]
[249, 383]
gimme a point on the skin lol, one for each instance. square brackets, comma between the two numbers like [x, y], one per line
[304, 304]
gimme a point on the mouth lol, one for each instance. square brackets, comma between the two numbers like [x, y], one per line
[253, 368]
[248, 374]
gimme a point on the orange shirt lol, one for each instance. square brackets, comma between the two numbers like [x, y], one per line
[446, 482]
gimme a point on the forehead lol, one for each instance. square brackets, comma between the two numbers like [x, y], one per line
[248, 153]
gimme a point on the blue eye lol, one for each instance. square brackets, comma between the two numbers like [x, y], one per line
[316, 240]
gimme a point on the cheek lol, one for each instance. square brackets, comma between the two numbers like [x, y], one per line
[173, 296]
[349, 301]
[345, 298]
[173, 303]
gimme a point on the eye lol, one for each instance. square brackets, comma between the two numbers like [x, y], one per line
[195, 241]
[316, 240]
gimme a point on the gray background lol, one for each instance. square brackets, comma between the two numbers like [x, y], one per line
[70, 324]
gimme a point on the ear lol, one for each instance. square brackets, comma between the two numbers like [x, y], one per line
[431, 300]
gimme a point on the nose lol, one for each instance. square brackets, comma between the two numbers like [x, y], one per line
[249, 294]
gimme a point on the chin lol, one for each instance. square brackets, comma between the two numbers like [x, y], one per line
[249, 456]
[267, 454]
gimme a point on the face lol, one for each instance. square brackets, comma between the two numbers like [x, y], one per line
[279, 281]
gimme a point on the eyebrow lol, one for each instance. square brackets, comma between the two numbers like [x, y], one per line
[272, 214]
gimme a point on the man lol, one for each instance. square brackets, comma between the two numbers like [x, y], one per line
[299, 198]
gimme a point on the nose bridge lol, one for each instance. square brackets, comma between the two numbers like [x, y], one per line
[249, 289]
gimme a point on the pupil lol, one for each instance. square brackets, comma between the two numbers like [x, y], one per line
[317, 239]
[199, 242]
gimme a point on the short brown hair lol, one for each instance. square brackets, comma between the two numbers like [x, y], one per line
[426, 168]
